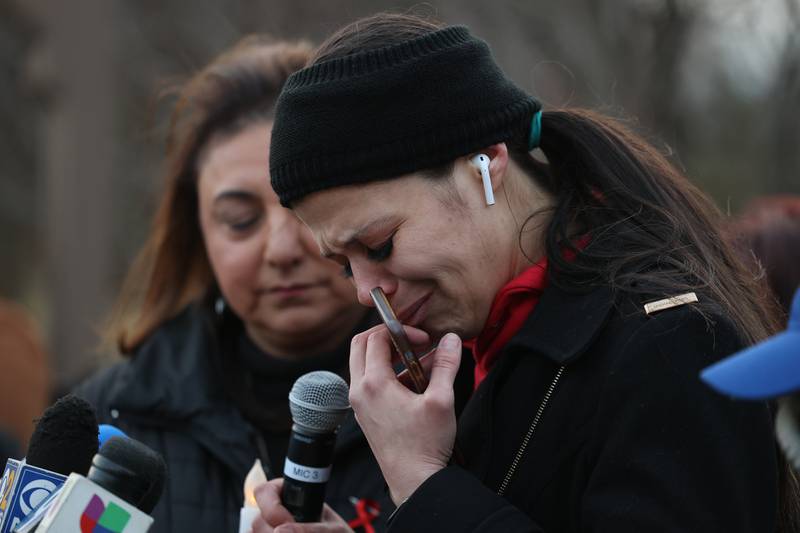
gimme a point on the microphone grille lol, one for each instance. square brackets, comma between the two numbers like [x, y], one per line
[319, 401]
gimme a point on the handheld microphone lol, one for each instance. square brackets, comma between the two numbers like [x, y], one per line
[63, 441]
[318, 402]
[124, 485]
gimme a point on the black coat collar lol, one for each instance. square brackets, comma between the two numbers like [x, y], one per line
[560, 330]
[564, 323]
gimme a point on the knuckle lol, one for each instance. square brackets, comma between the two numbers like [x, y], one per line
[369, 387]
[449, 363]
[261, 495]
[439, 402]
[274, 516]
[357, 340]
[445, 363]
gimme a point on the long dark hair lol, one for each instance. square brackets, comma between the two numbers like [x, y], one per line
[238, 88]
[653, 233]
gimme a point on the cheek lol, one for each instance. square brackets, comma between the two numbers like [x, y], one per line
[434, 256]
[308, 242]
[235, 264]
[460, 281]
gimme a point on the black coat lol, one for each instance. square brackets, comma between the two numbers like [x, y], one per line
[628, 439]
[170, 397]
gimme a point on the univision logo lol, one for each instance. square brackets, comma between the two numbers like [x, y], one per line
[101, 518]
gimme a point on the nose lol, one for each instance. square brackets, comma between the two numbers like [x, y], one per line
[367, 276]
[284, 248]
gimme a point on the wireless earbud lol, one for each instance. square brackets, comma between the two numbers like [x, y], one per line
[482, 162]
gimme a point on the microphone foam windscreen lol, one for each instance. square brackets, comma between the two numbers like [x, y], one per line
[319, 401]
[65, 438]
[147, 465]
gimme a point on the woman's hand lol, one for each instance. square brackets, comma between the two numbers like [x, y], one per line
[411, 435]
[275, 517]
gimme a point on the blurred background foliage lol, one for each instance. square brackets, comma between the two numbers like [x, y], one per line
[716, 83]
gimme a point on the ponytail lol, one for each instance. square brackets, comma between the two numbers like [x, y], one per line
[651, 231]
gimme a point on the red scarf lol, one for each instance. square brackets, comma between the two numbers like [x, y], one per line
[510, 308]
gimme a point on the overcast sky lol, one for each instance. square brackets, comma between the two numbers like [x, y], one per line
[744, 40]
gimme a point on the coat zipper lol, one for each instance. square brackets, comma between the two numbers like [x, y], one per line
[526, 440]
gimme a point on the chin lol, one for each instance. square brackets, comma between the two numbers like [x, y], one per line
[300, 324]
[440, 328]
[436, 330]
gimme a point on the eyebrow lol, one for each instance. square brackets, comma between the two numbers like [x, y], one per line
[234, 194]
[358, 233]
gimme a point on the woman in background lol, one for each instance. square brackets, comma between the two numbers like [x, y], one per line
[227, 305]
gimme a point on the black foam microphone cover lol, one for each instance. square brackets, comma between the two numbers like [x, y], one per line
[131, 470]
[65, 438]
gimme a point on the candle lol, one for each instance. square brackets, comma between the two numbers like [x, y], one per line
[250, 511]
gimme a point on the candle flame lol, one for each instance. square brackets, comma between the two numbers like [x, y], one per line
[254, 479]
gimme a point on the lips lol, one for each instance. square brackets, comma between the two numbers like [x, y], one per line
[291, 289]
[409, 312]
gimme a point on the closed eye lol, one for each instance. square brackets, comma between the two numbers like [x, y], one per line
[382, 252]
[243, 225]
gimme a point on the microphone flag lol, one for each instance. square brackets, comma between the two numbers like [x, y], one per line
[89, 508]
[22, 488]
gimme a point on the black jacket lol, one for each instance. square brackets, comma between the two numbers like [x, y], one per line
[625, 436]
[170, 397]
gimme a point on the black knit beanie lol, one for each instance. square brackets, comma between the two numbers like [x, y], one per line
[390, 111]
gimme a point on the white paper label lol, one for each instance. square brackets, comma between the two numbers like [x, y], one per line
[309, 474]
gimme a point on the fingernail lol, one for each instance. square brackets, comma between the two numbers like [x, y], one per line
[450, 340]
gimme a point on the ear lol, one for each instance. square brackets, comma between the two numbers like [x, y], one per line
[498, 164]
